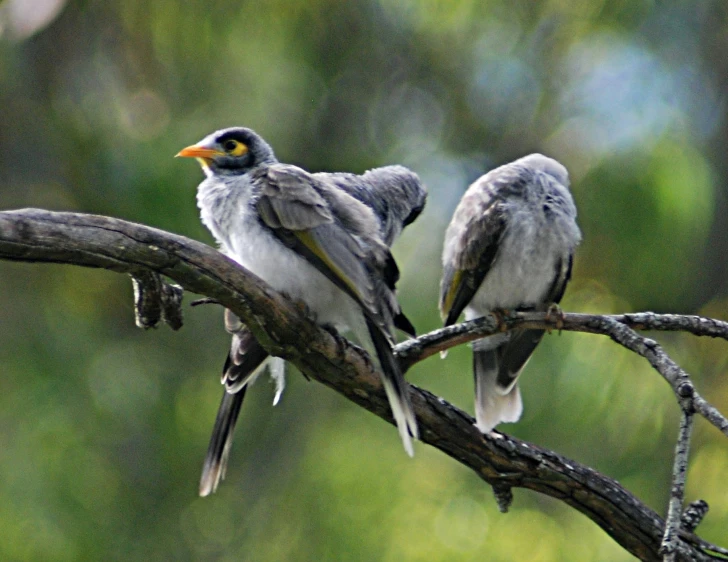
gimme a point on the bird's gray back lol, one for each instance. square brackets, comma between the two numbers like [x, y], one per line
[511, 230]
[534, 179]
[394, 193]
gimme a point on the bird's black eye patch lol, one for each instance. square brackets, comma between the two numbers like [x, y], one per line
[234, 147]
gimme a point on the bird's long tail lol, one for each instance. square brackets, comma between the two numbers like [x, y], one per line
[495, 402]
[213, 470]
[396, 388]
[242, 366]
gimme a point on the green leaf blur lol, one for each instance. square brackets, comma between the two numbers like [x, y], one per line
[105, 426]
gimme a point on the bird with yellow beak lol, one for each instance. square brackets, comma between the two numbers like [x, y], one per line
[321, 238]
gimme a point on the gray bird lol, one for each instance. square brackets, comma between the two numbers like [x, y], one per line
[509, 246]
[319, 238]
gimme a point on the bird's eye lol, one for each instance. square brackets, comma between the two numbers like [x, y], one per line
[234, 148]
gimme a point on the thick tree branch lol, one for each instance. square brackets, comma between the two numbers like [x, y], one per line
[283, 329]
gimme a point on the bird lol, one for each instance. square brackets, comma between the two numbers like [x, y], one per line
[509, 246]
[320, 238]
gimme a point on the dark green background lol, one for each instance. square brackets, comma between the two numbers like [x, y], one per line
[104, 426]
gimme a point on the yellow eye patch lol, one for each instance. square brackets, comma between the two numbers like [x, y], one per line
[234, 148]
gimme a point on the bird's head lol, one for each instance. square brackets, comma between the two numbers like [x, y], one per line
[230, 151]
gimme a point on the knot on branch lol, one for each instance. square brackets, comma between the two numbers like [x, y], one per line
[693, 515]
[156, 300]
[686, 389]
[503, 497]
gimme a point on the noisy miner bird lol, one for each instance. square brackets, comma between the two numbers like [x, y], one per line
[319, 238]
[509, 246]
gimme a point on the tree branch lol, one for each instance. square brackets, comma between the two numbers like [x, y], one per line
[284, 330]
[614, 326]
[677, 493]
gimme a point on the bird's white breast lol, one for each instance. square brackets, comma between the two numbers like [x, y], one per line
[525, 265]
[228, 213]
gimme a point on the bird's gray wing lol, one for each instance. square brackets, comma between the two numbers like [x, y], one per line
[474, 234]
[395, 194]
[477, 233]
[288, 200]
[242, 364]
[339, 236]
[333, 231]
[397, 197]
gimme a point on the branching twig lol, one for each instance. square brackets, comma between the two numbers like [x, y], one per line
[413, 351]
[282, 328]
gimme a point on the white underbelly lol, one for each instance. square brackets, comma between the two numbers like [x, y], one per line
[521, 275]
[287, 272]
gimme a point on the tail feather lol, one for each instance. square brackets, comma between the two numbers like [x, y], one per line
[244, 363]
[494, 403]
[401, 322]
[213, 469]
[244, 359]
[513, 357]
[396, 388]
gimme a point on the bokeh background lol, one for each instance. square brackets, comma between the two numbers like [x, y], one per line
[104, 427]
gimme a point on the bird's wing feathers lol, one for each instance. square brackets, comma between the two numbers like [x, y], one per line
[332, 230]
[472, 255]
[394, 193]
[562, 275]
[288, 200]
[473, 236]
[396, 196]
[340, 236]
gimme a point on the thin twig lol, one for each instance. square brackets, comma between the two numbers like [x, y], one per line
[714, 551]
[413, 351]
[696, 325]
[670, 539]
[670, 371]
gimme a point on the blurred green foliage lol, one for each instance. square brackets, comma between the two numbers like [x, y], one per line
[105, 427]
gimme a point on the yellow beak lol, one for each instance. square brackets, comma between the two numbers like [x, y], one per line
[195, 151]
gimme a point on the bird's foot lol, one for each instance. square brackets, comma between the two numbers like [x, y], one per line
[555, 310]
[500, 317]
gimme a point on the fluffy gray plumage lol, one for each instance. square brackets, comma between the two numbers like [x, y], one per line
[509, 246]
[319, 238]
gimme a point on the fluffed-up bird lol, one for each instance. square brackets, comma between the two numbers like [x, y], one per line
[509, 246]
[320, 238]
